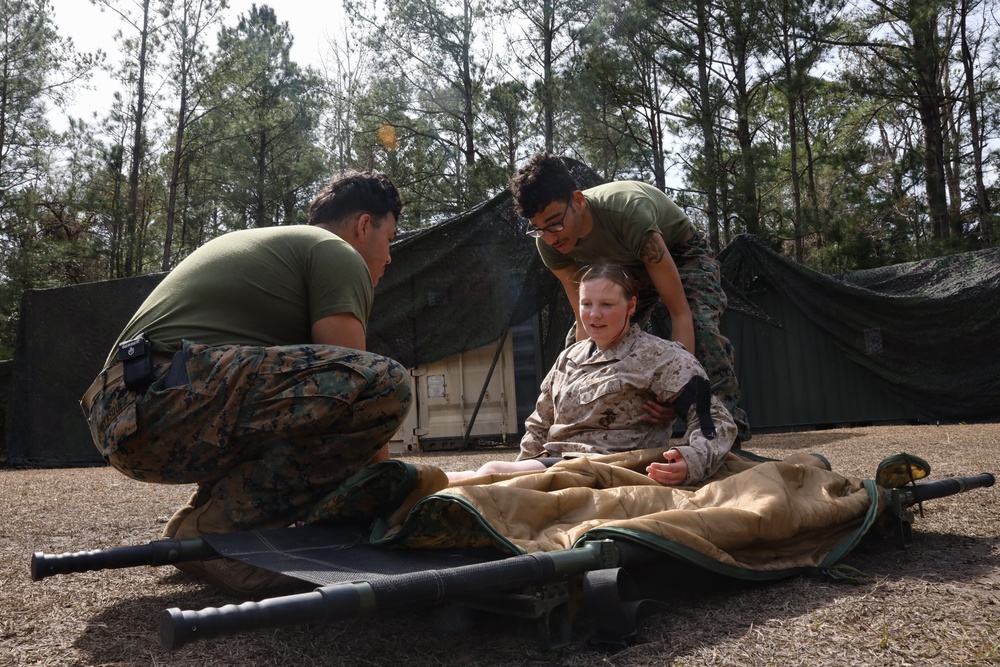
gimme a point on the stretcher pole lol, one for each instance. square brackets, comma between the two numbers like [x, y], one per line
[350, 600]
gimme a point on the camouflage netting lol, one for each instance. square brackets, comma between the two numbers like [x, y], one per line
[929, 329]
[461, 284]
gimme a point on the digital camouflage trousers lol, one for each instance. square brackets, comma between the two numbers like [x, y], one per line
[268, 430]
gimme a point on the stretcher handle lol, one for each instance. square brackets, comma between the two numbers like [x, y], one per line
[159, 552]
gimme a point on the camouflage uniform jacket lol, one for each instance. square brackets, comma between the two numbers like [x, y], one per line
[591, 404]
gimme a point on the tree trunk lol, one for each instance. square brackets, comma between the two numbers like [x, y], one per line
[707, 120]
[548, 98]
[791, 93]
[260, 202]
[468, 114]
[655, 124]
[952, 155]
[796, 188]
[983, 209]
[746, 183]
[175, 170]
[472, 189]
[807, 147]
[137, 149]
[927, 75]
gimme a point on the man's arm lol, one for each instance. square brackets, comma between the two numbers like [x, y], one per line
[343, 329]
[667, 281]
[571, 285]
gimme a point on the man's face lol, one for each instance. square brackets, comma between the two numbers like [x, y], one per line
[375, 245]
[558, 225]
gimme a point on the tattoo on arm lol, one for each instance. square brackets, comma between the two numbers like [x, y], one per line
[653, 249]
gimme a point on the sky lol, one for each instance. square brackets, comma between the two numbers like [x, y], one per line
[309, 22]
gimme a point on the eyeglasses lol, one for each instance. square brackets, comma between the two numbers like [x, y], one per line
[537, 232]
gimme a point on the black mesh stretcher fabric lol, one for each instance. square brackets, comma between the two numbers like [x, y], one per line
[328, 555]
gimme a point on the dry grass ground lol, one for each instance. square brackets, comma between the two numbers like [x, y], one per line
[936, 603]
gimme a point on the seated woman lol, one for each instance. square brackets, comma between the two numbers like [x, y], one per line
[593, 398]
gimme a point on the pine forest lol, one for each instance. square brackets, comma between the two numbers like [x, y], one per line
[847, 134]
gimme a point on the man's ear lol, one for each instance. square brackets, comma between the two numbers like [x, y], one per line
[364, 225]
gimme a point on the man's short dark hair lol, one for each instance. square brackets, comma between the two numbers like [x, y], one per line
[355, 192]
[543, 180]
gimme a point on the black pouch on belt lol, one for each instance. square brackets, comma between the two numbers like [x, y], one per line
[136, 356]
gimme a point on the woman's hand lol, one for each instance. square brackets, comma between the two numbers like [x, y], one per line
[671, 473]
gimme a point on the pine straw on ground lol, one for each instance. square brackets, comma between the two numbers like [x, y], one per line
[935, 603]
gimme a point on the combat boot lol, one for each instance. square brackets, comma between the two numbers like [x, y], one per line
[200, 496]
[231, 576]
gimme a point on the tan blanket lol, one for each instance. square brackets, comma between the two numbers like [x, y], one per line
[752, 516]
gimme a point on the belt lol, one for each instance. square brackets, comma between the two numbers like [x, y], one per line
[111, 374]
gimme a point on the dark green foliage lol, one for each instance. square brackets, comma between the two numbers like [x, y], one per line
[804, 121]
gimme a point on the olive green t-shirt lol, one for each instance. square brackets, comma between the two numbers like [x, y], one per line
[624, 212]
[262, 287]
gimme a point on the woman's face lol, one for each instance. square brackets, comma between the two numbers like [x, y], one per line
[604, 311]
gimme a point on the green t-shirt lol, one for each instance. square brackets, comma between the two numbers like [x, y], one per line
[624, 212]
[255, 287]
